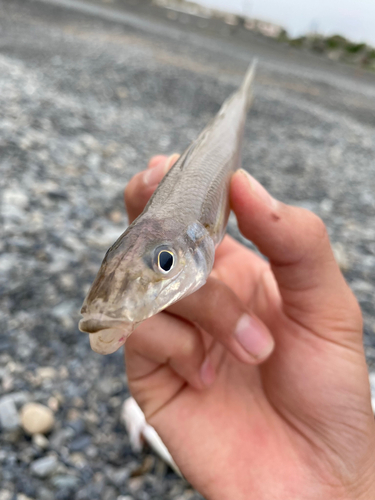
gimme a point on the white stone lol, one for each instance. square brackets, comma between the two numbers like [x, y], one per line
[372, 386]
[37, 418]
[46, 372]
[6, 495]
[341, 256]
[41, 441]
[21, 496]
[16, 198]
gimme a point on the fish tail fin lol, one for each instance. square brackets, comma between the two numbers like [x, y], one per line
[247, 85]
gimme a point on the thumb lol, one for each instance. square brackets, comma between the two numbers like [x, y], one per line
[297, 245]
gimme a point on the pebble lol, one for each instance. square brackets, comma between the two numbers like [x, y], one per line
[109, 494]
[7, 383]
[110, 386]
[80, 443]
[65, 481]
[59, 438]
[44, 467]
[78, 425]
[19, 398]
[46, 372]
[45, 494]
[135, 484]
[119, 476]
[78, 460]
[341, 256]
[9, 418]
[116, 216]
[6, 495]
[53, 404]
[63, 494]
[37, 419]
[40, 441]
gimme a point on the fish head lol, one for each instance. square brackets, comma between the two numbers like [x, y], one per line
[153, 264]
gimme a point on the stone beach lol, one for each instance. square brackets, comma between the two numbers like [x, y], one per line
[84, 102]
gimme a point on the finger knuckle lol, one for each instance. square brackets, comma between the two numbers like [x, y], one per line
[314, 235]
[189, 346]
[318, 229]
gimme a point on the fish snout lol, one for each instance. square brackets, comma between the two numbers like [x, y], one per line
[94, 325]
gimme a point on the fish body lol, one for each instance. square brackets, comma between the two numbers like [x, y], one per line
[169, 250]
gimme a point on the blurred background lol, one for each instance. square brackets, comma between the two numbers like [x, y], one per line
[354, 20]
[88, 92]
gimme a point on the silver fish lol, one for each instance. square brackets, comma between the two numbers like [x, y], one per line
[168, 251]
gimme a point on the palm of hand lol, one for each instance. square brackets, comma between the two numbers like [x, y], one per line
[276, 408]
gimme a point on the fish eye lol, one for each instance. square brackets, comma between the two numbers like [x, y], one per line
[164, 260]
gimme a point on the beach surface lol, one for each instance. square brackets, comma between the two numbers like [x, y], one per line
[88, 92]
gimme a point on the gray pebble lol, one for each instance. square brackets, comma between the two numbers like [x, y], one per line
[9, 418]
[80, 443]
[61, 437]
[45, 494]
[67, 481]
[44, 467]
[118, 476]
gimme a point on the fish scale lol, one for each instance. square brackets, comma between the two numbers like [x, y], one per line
[186, 217]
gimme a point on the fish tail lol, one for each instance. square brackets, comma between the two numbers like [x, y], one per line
[247, 85]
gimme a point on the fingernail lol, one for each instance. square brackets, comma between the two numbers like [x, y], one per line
[152, 176]
[207, 372]
[258, 189]
[171, 160]
[155, 160]
[253, 337]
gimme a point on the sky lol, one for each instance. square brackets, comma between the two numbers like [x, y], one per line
[354, 19]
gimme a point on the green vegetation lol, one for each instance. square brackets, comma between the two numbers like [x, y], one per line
[354, 48]
[336, 47]
[336, 41]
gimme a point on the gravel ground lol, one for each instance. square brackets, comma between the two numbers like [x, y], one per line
[83, 104]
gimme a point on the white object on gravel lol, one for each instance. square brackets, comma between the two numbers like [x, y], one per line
[37, 419]
[372, 385]
[139, 430]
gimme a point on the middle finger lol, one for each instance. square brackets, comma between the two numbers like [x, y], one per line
[217, 310]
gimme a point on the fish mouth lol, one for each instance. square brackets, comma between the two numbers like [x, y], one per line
[95, 324]
[106, 334]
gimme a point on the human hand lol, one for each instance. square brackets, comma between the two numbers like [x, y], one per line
[297, 426]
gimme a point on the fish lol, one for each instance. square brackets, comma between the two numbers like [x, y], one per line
[168, 252]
